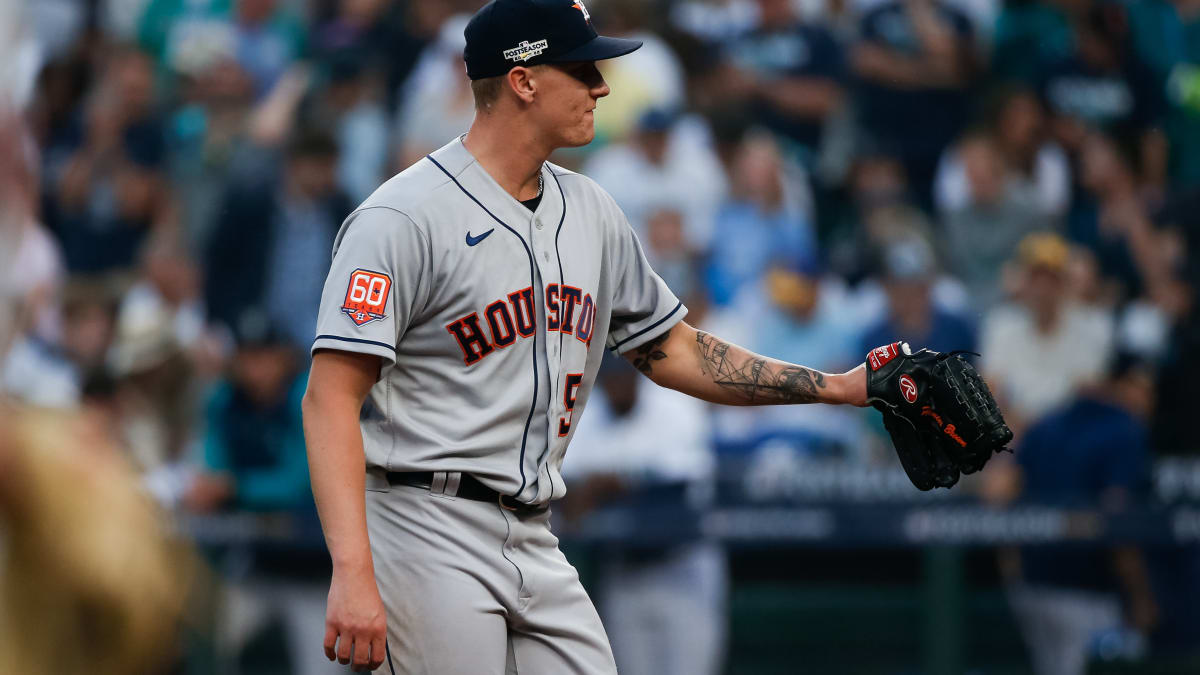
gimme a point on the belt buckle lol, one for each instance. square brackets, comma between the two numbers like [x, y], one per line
[500, 499]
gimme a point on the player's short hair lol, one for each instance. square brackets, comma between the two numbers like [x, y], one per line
[486, 91]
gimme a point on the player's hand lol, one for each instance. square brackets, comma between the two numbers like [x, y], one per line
[355, 620]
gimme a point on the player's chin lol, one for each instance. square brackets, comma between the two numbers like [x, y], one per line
[582, 135]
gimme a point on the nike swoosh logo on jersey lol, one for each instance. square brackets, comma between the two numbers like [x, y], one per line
[471, 241]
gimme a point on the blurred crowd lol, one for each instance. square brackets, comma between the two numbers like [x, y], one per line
[1016, 178]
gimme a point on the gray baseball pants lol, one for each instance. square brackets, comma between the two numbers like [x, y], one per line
[471, 588]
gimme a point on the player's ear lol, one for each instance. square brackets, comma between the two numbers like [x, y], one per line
[521, 81]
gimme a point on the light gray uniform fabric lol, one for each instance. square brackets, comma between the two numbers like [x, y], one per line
[498, 406]
[491, 322]
[474, 589]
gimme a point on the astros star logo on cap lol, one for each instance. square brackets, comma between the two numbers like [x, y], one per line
[583, 8]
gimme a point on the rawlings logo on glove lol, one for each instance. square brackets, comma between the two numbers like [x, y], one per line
[940, 414]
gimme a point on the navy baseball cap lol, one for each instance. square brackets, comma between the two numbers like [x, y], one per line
[509, 33]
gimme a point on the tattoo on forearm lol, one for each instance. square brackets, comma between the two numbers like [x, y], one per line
[645, 355]
[754, 379]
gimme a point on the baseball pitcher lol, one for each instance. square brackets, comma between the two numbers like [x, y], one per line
[461, 327]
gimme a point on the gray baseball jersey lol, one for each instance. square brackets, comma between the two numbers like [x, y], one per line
[491, 320]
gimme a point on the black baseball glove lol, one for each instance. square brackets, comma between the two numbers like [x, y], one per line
[940, 414]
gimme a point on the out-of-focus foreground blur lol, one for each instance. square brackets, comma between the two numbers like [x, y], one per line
[813, 177]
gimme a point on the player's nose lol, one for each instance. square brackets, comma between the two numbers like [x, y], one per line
[597, 87]
[600, 89]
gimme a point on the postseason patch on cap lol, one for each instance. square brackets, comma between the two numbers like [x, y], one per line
[526, 50]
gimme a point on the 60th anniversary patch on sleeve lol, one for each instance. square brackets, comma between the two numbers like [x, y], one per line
[366, 296]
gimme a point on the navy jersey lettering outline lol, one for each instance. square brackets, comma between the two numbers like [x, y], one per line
[507, 336]
[569, 297]
[524, 311]
[470, 338]
[587, 320]
[564, 423]
[552, 306]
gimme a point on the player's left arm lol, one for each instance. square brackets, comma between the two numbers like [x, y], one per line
[705, 366]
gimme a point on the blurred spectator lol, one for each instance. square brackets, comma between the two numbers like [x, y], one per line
[29, 42]
[912, 313]
[36, 373]
[220, 136]
[1029, 34]
[891, 229]
[384, 37]
[1103, 85]
[263, 36]
[916, 60]
[1090, 454]
[875, 184]
[31, 279]
[436, 102]
[1179, 368]
[119, 19]
[1114, 224]
[210, 142]
[254, 460]
[89, 322]
[353, 110]
[1166, 35]
[713, 21]
[254, 455]
[87, 558]
[1039, 350]
[36, 275]
[649, 78]
[668, 164]
[1173, 432]
[107, 189]
[649, 448]
[794, 313]
[1035, 168]
[762, 220]
[277, 261]
[33, 368]
[59, 91]
[33, 264]
[997, 213]
[788, 72]
[676, 261]
[158, 354]
[156, 389]
[798, 315]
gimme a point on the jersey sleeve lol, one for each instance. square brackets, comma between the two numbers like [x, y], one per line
[375, 285]
[642, 306]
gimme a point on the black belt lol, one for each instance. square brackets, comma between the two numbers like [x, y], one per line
[469, 487]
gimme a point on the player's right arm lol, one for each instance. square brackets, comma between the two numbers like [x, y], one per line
[355, 620]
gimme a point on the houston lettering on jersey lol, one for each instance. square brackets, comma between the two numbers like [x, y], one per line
[568, 310]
